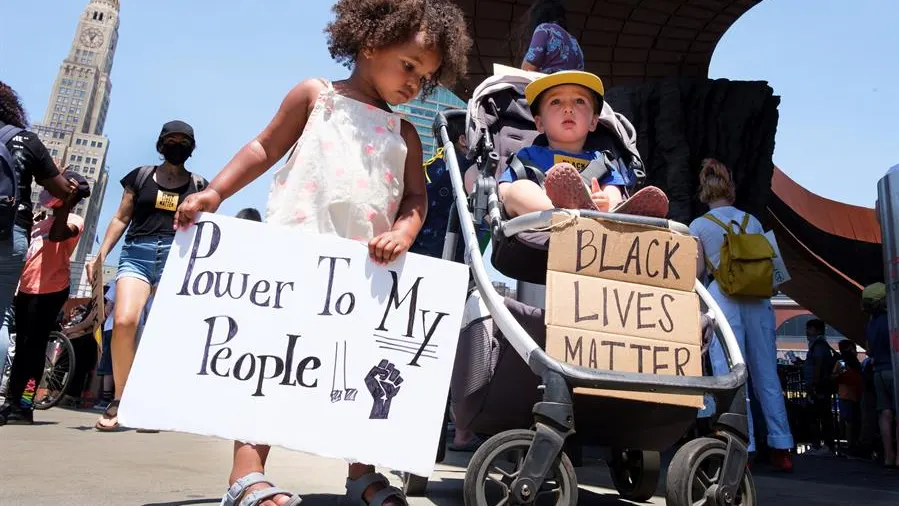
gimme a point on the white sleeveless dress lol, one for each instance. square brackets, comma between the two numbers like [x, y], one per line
[345, 175]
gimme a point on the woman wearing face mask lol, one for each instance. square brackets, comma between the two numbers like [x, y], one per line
[146, 217]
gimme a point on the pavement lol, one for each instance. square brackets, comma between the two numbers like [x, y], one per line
[61, 460]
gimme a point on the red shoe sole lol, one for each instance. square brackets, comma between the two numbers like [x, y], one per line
[649, 201]
[565, 188]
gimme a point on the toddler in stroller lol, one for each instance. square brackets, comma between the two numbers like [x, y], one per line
[569, 156]
[505, 384]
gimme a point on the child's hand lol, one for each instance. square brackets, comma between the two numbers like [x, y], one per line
[386, 247]
[600, 199]
[207, 200]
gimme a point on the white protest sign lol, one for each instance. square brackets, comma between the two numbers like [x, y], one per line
[781, 275]
[269, 335]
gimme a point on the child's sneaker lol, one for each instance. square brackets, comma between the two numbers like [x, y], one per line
[649, 201]
[565, 188]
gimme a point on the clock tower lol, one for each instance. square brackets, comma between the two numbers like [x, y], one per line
[72, 129]
[80, 98]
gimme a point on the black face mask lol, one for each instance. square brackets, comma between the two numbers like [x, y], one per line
[176, 154]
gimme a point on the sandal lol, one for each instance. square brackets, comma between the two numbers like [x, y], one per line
[649, 201]
[355, 490]
[110, 413]
[565, 188]
[256, 497]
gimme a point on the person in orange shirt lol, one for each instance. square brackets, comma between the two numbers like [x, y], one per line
[43, 290]
[847, 373]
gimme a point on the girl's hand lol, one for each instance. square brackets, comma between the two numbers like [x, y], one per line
[388, 246]
[206, 201]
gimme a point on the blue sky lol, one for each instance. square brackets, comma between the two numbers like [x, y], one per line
[225, 66]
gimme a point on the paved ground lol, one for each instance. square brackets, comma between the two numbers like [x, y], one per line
[63, 461]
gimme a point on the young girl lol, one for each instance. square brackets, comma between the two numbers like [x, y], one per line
[355, 172]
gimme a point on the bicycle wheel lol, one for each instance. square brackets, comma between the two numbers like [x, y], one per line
[58, 371]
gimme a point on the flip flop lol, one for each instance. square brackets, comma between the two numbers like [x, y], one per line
[565, 188]
[108, 413]
[649, 201]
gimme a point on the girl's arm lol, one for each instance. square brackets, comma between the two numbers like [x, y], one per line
[258, 155]
[386, 247]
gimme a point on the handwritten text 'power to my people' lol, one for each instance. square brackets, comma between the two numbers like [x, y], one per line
[259, 368]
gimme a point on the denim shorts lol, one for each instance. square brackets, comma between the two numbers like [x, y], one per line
[144, 258]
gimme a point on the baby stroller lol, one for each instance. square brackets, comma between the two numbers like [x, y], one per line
[711, 470]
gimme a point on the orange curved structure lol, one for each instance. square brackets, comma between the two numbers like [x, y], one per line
[831, 249]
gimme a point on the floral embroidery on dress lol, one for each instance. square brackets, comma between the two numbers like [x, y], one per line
[350, 182]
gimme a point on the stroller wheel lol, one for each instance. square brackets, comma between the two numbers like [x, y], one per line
[414, 485]
[635, 473]
[498, 461]
[695, 470]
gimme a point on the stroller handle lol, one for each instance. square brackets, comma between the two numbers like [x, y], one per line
[528, 349]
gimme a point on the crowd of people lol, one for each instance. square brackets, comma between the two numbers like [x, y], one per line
[378, 196]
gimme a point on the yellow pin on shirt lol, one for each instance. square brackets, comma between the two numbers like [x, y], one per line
[166, 201]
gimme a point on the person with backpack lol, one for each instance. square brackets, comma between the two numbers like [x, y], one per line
[146, 216]
[23, 160]
[745, 300]
[819, 386]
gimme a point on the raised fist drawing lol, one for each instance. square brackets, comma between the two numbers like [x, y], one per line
[383, 382]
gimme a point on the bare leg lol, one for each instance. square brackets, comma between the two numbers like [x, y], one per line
[131, 296]
[522, 197]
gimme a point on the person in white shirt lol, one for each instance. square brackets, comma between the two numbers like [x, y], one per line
[752, 319]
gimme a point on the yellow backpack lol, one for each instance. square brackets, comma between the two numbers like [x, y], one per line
[746, 267]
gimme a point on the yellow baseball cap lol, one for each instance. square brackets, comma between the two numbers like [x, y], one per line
[585, 79]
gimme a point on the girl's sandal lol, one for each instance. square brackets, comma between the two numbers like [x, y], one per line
[355, 491]
[112, 414]
[238, 492]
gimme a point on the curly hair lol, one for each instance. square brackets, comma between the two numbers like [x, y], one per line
[11, 110]
[371, 24]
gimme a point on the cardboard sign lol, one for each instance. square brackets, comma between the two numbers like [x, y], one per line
[269, 335]
[611, 352]
[623, 252]
[781, 275]
[603, 305]
[97, 292]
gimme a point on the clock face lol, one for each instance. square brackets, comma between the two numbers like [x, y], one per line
[92, 38]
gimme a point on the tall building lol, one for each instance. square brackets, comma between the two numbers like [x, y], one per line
[72, 128]
[421, 113]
